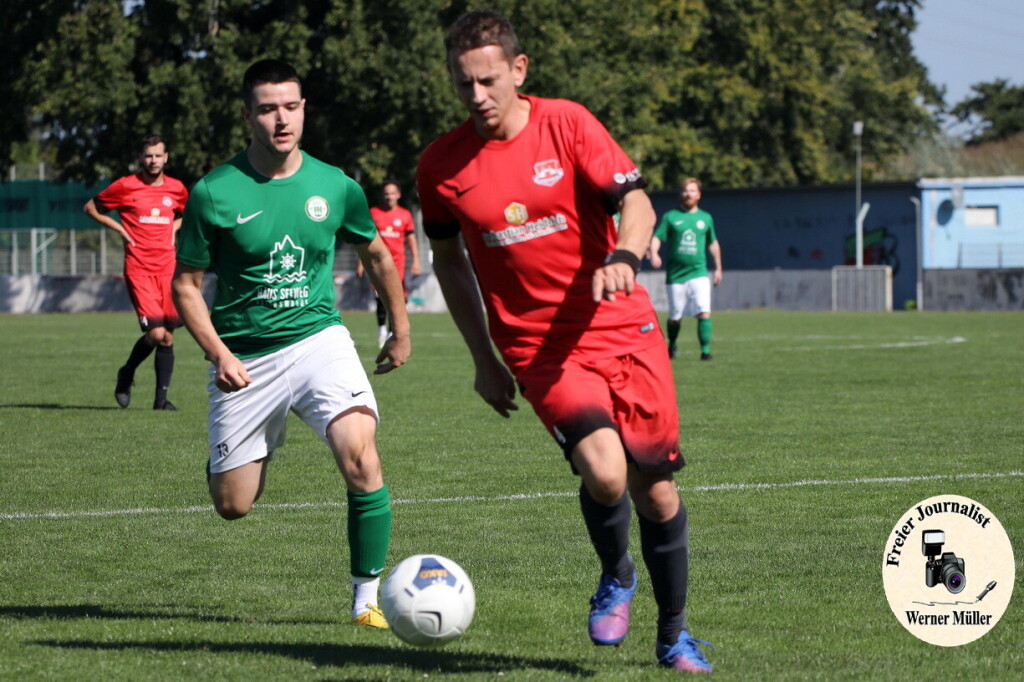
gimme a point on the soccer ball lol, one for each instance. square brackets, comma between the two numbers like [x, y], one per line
[428, 600]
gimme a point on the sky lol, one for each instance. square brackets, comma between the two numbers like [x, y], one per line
[963, 42]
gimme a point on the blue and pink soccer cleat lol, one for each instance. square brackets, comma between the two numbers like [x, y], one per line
[684, 655]
[609, 611]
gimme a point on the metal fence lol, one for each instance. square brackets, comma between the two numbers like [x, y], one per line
[49, 251]
[862, 288]
[978, 256]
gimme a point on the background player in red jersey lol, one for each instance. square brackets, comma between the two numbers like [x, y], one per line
[150, 205]
[397, 229]
[531, 185]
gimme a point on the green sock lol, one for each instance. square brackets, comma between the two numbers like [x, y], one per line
[369, 531]
[673, 332]
[704, 334]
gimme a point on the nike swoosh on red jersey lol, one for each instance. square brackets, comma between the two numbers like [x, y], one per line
[460, 192]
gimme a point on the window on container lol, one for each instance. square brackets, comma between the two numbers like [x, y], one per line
[981, 216]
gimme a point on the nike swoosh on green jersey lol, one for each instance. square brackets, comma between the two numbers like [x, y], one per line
[241, 221]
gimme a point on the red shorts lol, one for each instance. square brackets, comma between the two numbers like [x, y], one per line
[633, 394]
[151, 296]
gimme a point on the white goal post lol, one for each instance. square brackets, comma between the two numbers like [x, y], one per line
[868, 287]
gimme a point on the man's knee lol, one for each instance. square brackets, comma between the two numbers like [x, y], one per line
[605, 491]
[159, 336]
[230, 511]
[656, 496]
[235, 491]
[600, 458]
[352, 439]
[361, 468]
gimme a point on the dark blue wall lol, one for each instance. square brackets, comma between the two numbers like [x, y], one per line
[813, 228]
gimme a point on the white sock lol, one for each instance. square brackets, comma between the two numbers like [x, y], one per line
[364, 593]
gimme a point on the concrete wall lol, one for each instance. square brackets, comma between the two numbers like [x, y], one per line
[66, 294]
[57, 294]
[974, 289]
[788, 290]
[740, 290]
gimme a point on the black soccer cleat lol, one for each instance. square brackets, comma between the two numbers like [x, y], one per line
[165, 405]
[123, 389]
[705, 356]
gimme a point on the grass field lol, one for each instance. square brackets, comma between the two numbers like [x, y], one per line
[807, 438]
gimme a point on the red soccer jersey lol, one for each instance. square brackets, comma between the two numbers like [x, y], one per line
[394, 226]
[535, 212]
[147, 213]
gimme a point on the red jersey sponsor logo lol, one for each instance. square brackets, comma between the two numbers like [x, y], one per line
[515, 234]
[547, 172]
[154, 218]
[515, 213]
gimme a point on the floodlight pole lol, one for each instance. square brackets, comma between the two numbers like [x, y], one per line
[918, 228]
[858, 131]
[864, 208]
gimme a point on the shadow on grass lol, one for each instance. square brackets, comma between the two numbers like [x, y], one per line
[432, 661]
[74, 612]
[54, 406]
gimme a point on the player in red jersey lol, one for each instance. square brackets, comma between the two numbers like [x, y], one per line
[150, 205]
[397, 229]
[531, 184]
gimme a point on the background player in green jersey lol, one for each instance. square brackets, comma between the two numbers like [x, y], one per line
[689, 234]
[266, 223]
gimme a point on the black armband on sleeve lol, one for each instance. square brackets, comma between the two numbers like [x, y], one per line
[440, 230]
[624, 256]
[612, 196]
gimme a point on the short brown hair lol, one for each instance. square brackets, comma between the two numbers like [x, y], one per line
[151, 140]
[267, 71]
[481, 28]
[688, 181]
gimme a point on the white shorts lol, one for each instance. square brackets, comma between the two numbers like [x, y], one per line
[689, 298]
[317, 378]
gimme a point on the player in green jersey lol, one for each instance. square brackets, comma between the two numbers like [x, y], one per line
[266, 223]
[688, 233]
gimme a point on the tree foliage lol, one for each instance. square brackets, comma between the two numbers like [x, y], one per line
[995, 111]
[739, 92]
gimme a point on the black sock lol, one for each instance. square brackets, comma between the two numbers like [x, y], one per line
[666, 548]
[609, 532]
[164, 368]
[673, 331]
[140, 351]
[382, 313]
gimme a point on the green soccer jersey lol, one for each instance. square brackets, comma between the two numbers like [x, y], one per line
[686, 236]
[271, 244]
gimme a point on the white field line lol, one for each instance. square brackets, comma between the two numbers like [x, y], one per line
[721, 487]
[916, 343]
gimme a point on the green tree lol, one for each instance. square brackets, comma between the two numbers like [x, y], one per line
[737, 92]
[26, 23]
[995, 111]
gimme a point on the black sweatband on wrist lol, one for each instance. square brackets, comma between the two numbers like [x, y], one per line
[624, 256]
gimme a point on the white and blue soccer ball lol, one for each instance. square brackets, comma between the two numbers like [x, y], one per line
[428, 600]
